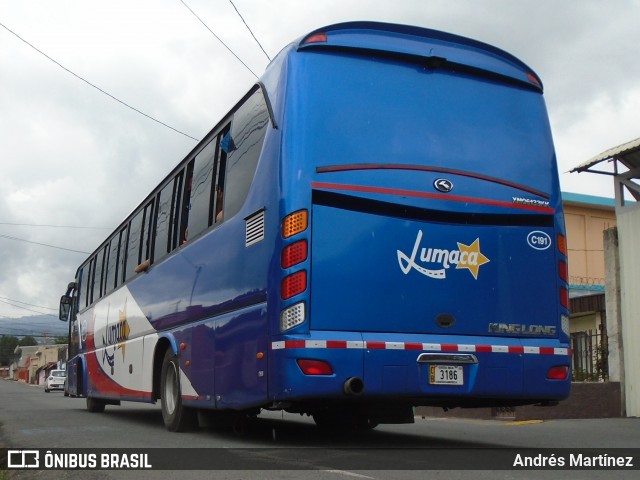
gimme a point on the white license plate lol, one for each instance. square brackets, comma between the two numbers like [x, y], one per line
[446, 375]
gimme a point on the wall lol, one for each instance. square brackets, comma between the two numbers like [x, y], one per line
[628, 237]
[584, 242]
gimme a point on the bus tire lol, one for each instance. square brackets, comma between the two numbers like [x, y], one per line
[177, 418]
[94, 405]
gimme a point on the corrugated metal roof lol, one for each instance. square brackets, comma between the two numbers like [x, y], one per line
[628, 153]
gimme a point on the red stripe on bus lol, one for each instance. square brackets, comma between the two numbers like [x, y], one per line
[432, 196]
[427, 168]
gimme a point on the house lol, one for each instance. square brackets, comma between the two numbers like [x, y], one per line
[35, 362]
[622, 164]
[587, 217]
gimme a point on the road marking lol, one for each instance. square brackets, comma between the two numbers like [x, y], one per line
[524, 422]
[348, 474]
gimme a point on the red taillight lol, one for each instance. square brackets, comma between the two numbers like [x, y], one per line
[293, 285]
[533, 78]
[562, 270]
[564, 297]
[294, 254]
[319, 37]
[558, 373]
[314, 367]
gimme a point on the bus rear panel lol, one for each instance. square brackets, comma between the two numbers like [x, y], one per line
[435, 270]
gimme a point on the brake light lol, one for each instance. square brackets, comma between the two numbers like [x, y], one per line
[314, 367]
[562, 270]
[293, 285]
[532, 77]
[319, 37]
[293, 254]
[558, 373]
[295, 223]
[564, 297]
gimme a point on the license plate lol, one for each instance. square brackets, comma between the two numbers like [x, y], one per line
[446, 375]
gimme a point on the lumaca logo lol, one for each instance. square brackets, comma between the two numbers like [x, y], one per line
[465, 257]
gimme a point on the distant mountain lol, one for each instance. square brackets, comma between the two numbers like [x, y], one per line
[42, 327]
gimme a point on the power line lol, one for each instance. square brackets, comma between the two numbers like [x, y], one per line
[249, 28]
[8, 237]
[29, 304]
[218, 38]
[27, 309]
[94, 86]
[52, 226]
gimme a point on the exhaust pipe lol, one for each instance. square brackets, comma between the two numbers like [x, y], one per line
[353, 386]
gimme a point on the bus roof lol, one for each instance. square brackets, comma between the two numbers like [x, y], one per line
[434, 48]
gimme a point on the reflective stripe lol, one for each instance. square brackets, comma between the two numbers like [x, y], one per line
[435, 347]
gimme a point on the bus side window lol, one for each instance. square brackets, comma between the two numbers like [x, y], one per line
[134, 246]
[96, 291]
[176, 206]
[224, 141]
[201, 190]
[147, 231]
[243, 149]
[113, 262]
[88, 287]
[185, 204]
[166, 222]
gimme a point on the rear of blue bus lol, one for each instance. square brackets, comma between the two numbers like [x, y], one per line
[423, 257]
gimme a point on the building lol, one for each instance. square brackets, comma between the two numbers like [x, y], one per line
[622, 164]
[35, 362]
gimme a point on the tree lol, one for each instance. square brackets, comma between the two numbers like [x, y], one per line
[28, 341]
[7, 345]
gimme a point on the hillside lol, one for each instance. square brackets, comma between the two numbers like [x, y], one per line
[39, 326]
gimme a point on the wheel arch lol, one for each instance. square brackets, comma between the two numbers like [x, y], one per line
[165, 342]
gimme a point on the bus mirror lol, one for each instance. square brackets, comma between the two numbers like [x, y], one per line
[65, 307]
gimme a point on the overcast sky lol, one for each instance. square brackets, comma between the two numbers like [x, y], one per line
[71, 156]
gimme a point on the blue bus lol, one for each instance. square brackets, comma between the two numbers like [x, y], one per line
[375, 225]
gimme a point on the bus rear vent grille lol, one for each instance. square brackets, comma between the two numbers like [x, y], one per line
[254, 228]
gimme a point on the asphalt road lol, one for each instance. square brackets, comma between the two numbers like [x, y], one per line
[283, 446]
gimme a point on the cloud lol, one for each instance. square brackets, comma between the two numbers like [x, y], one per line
[72, 156]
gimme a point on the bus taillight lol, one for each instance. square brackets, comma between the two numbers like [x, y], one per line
[292, 316]
[563, 270]
[293, 285]
[562, 244]
[564, 297]
[295, 223]
[318, 37]
[293, 254]
[560, 372]
[314, 367]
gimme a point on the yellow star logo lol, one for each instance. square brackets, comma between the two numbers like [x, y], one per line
[471, 258]
[123, 329]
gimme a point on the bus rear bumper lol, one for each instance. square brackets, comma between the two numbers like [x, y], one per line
[455, 371]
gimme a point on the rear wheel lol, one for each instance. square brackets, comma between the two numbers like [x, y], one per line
[177, 418]
[94, 405]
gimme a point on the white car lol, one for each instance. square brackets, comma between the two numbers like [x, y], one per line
[55, 380]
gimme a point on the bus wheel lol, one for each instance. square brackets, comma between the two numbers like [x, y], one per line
[177, 418]
[94, 405]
